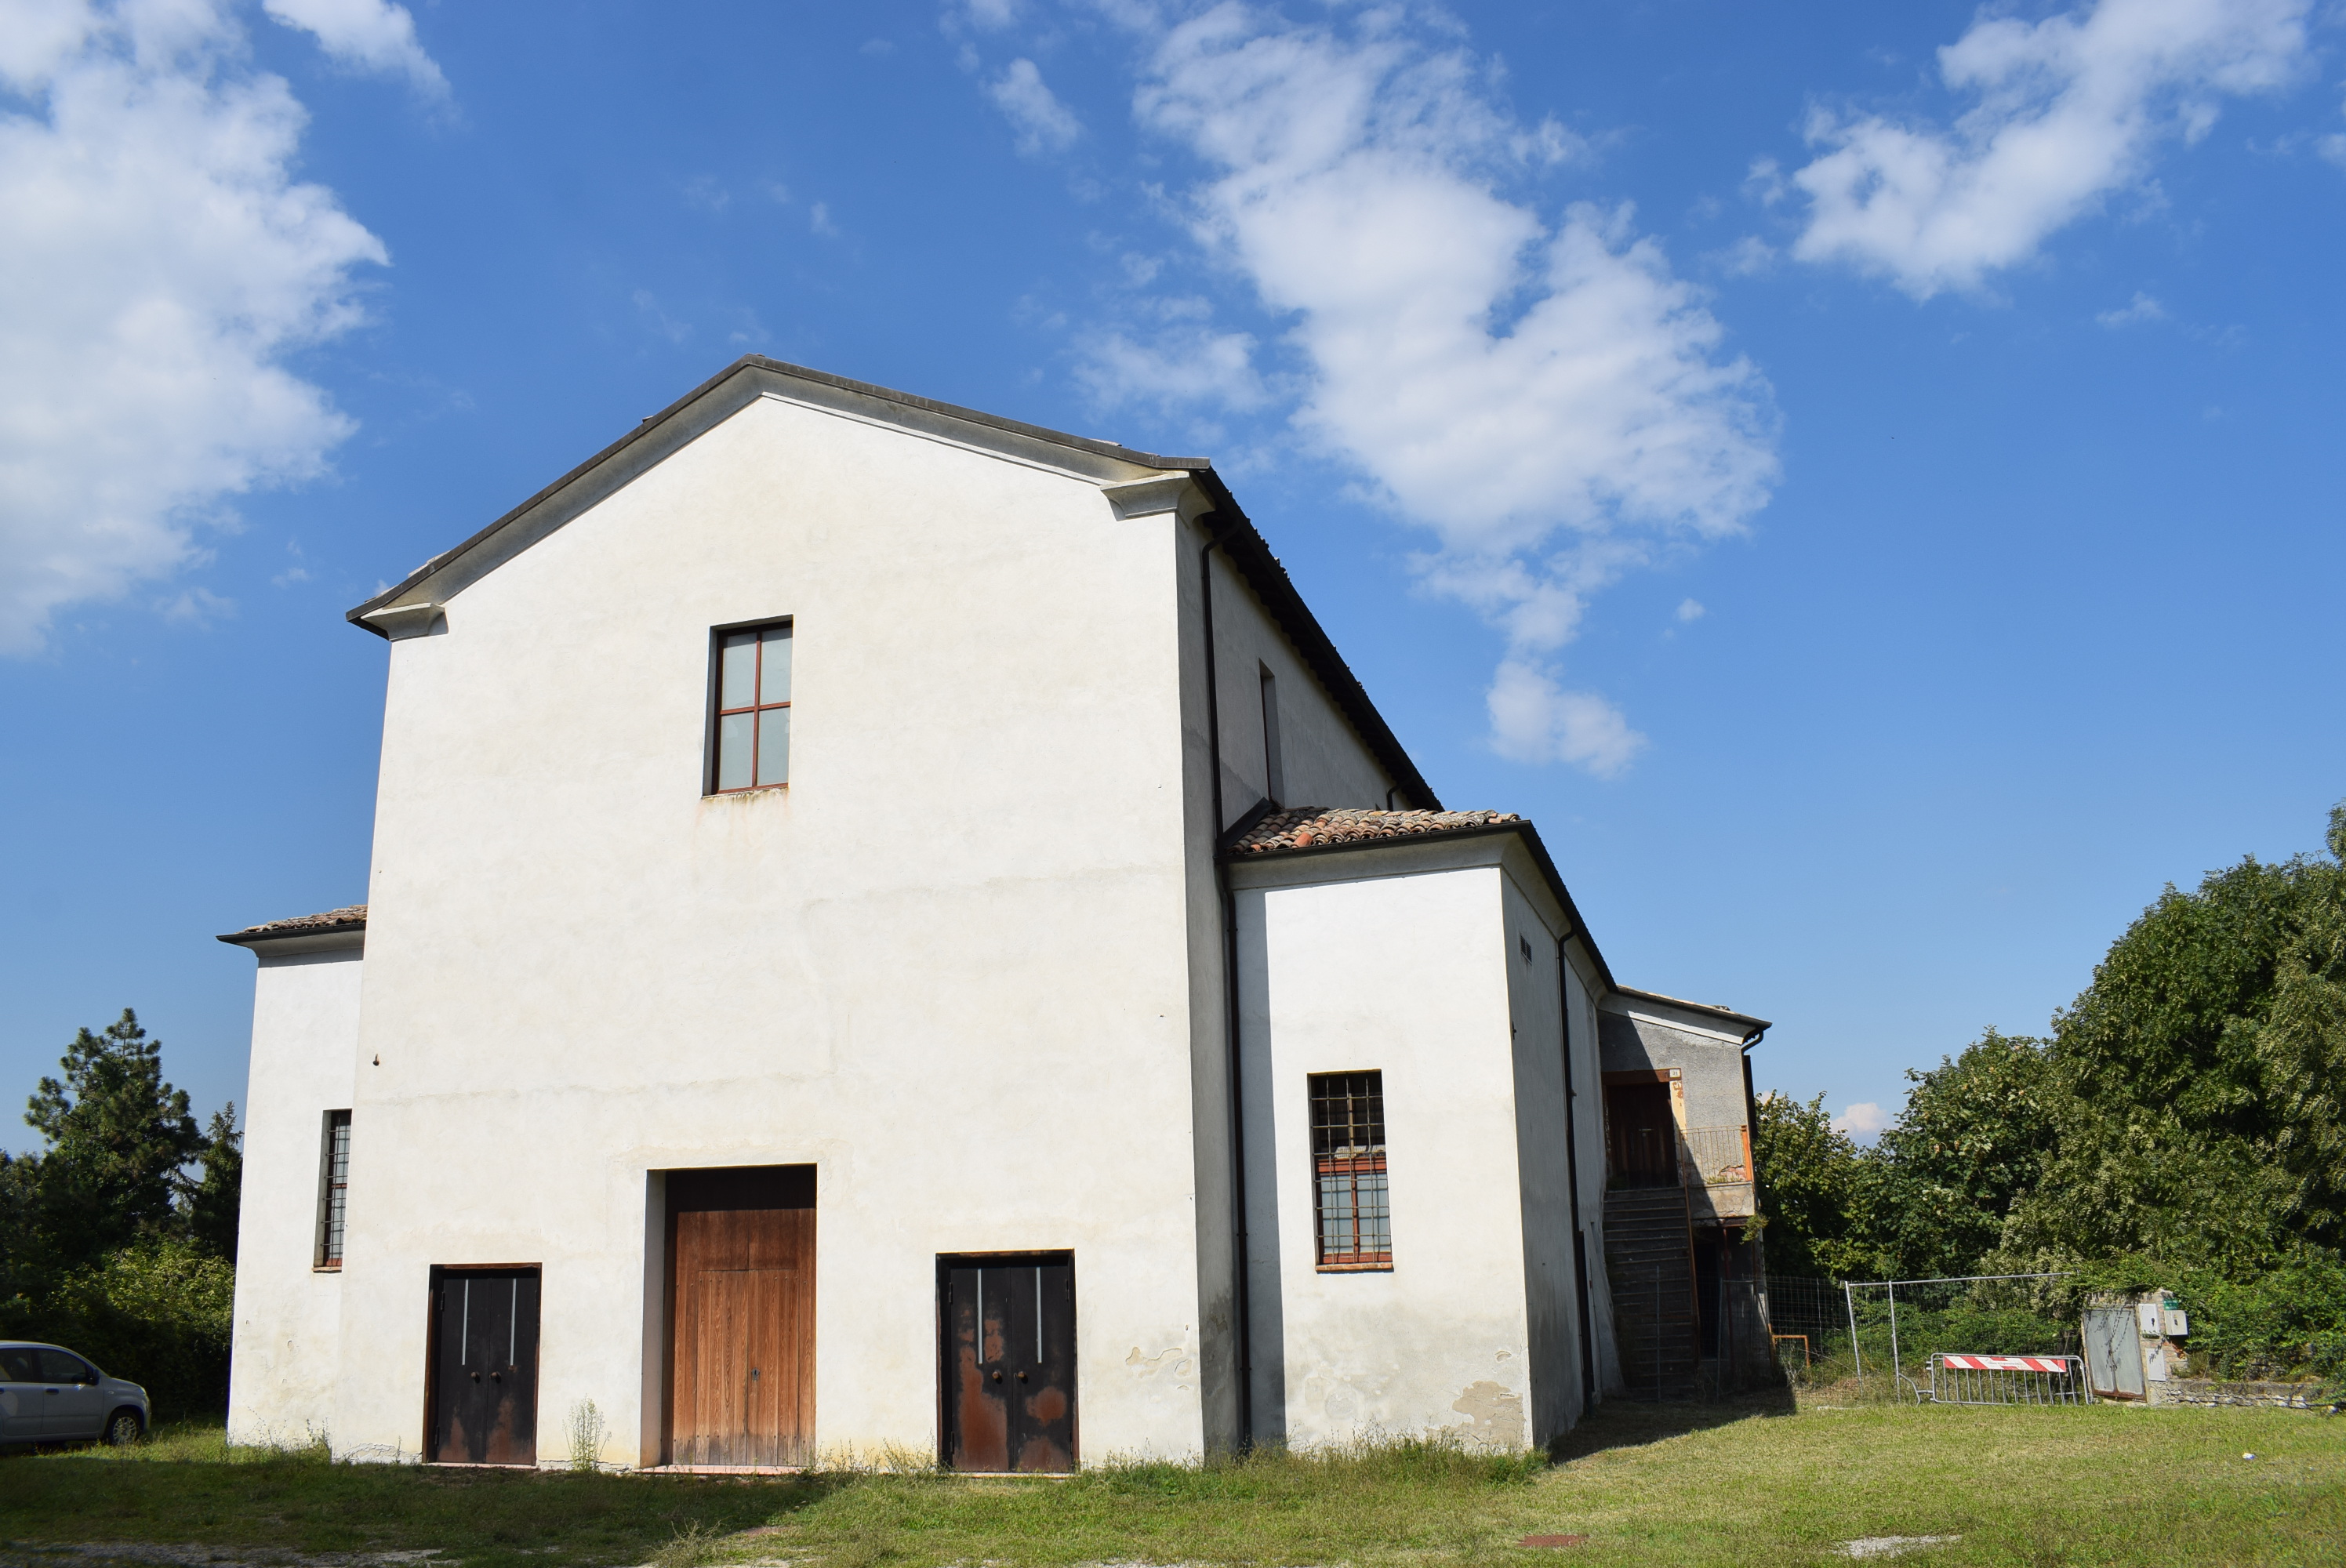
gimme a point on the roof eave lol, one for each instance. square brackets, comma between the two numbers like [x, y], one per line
[316, 939]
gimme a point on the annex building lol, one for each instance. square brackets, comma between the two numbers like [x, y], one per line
[893, 928]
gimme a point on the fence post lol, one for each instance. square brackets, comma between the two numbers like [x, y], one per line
[1848, 1299]
[1897, 1367]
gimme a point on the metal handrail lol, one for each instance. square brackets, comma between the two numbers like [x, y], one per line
[1716, 1156]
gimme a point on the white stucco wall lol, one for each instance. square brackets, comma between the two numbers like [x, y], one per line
[1589, 1088]
[287, 1357]
[1325, 763]
[947, 966]
[1544, 1169]
[1345, 968]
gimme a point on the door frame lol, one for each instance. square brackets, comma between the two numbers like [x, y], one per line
[432, 1277]
[1046, 1256]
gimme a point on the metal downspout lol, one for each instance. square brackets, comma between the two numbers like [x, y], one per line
[1241, 1298]
[1756, 1233]
[1587, 1334]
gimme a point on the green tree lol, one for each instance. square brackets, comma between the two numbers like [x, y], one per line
[215, 1194]
[1970, 1143]
[2198, 1083]
[117, 1137]
[1812, 1185]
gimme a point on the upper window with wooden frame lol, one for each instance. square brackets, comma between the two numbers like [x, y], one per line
[1354, 1217]
[750, 708]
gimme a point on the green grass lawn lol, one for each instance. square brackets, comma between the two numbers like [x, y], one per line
[1750, 1484]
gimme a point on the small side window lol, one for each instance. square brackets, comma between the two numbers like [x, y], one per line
[333, 1188]
[750, 709]
[1348, 1168]
[1274, 766]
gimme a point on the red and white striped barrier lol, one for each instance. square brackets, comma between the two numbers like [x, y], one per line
[2007, 1363]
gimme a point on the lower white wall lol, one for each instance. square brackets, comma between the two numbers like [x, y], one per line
[288, 1315]
[1404, 975]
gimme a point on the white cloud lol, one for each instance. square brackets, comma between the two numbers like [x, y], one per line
[2067, 111]
[365, 35]
[1044, 124]
[157, 264]
[1548, 398]
[1534, 720]
[1691, 610]
[1861, 1120]
[1186, 365]
[819, 221]
[198, 607]
[2143, 307]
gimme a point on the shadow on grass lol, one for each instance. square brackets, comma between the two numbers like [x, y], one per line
[1631, 1424]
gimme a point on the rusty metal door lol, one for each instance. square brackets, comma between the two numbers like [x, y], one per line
[1645, 1135]
[484, 1366]
[1009, 1361]
[741, 1316]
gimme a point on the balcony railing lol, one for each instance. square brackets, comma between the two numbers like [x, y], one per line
[1715, 1156]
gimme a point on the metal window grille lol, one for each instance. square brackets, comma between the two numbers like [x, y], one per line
[753, 701]
[1348, 1159]
[333, 1190]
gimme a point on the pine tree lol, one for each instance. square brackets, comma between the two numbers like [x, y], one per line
[117, 1135]
[214, 1195]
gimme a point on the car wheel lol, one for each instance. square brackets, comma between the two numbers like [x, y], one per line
[123, 1427]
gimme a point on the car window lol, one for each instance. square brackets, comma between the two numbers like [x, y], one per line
[17, 1366]
[64, 1366]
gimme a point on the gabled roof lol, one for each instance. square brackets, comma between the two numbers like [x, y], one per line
[754, 375]
[347, 920]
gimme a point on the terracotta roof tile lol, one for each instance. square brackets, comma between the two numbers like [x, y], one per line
[333, 919]
[1306, 827]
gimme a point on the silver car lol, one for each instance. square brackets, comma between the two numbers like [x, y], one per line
[48, 1394]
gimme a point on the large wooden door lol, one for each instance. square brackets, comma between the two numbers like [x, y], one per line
[483, 1366]
[1009, 1361]
[741, 1316]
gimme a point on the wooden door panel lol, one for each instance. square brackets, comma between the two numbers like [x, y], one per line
[741, 1386]
[1644, 1134]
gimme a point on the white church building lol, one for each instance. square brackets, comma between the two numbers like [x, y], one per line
[893, 928]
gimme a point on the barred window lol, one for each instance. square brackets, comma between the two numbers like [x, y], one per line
[333, 1188]
[1347, 1166]
[751, 716]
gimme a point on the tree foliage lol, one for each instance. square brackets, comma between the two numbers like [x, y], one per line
[2184, 1126]
[109, 1241]
[2198, 1083]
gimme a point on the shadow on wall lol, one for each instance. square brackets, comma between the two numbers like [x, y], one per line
[1631, 1423]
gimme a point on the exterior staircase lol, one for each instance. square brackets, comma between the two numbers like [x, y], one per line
[1650, 1261]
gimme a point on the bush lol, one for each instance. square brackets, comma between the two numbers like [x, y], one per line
[159, 1313]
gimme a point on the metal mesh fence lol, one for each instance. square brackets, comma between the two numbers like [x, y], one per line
[1809, 1327]
[1902, 1330]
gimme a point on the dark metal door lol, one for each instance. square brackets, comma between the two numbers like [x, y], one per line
[1009, 1361]
[484, 1366]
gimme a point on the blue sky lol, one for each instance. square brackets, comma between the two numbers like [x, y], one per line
[1853, 475]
